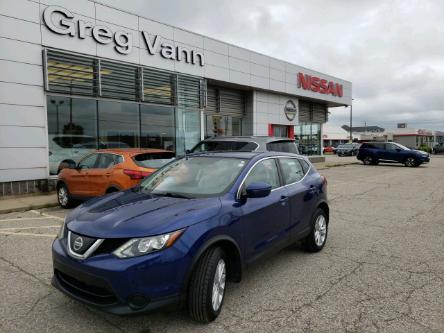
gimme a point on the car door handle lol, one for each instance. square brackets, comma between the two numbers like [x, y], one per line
[283, 200]
[312, 189]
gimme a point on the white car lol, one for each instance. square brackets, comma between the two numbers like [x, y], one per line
[68, 146]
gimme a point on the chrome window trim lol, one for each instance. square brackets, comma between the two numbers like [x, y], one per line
[91, 249]
[277, 188]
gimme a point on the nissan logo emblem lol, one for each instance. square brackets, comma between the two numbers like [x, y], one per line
[78, 243]
[290, 110]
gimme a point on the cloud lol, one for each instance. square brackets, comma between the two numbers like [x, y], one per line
[392, 51]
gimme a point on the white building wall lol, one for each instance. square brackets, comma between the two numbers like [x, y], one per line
[269, 109]
[23, 132]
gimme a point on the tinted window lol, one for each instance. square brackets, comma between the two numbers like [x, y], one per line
[391, 147]
[305, 166]
[283, 146]
[108, 160]
[88, 162]
[153, 160]
[264, 172]
[225, 146]
[292, 170]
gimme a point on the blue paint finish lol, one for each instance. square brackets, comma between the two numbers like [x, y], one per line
[254, 226]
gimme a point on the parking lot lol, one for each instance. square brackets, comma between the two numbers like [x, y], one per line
[381, 270]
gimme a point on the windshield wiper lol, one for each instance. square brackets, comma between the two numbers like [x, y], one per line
[173, 195]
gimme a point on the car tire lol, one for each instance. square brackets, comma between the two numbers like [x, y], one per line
[64, 197]
[368, 160]
[411, 162]
[317, 238]
[206, 290]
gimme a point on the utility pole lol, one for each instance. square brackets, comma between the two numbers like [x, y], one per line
[351, 122]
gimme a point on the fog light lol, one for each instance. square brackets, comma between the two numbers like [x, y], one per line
[137, 301]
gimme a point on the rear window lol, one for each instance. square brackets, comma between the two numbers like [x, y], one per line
[373, 145]
[153, 160]
[224, 146]
[283, 146]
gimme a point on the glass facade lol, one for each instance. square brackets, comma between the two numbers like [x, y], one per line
[308, 136]
[218, 125]
[95, 104]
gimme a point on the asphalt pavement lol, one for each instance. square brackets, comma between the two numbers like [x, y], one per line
[382, 269]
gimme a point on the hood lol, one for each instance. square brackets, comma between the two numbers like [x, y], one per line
[421, 152]
[134, 214]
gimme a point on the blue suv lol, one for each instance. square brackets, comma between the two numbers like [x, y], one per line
[187, 229]
[391, 152]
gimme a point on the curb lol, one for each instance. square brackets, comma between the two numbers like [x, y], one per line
[26, 208]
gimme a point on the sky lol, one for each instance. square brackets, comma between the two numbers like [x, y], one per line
[392, 51]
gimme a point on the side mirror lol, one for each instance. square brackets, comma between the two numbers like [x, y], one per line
[187, 151]
[398, 150]
[258, 190]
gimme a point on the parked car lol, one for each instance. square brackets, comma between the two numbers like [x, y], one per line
[68, 147]
[106, 171]
[349, 149]
[391, 152]
[187, 229]
[438, 148]
[246, 143]
[330, 149]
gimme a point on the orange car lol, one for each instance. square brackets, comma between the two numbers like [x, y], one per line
[106, 171]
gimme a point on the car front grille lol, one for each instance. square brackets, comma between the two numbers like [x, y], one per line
[97, 293]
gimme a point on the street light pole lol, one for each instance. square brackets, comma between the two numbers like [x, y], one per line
[351, 122]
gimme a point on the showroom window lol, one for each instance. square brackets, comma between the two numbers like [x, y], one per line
[308, 136]
[94, 103]
[118, 124]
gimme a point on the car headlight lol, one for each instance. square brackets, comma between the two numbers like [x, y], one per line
[140, 246]
[62, 232]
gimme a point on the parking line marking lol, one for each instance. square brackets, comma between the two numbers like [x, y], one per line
[26, 234]
[47, 215]
[37, 227]
[24, 219]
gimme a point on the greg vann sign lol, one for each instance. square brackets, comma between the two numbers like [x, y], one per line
[62, 22]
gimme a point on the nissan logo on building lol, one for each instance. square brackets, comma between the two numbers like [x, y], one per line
[290, 110]
[78, 243]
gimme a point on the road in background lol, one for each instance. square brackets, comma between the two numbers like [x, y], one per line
[381, 270]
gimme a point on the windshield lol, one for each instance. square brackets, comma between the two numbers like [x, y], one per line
[195, 177]
[224, 146]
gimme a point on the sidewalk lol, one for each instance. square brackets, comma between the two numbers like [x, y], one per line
[336, 161]
[21, 204]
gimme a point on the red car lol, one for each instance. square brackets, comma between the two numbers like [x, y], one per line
[330, 149]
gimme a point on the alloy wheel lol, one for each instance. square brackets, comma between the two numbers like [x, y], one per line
[410, 162]
[218, 285]
[63, 196]
[320, 231]
[368, 160]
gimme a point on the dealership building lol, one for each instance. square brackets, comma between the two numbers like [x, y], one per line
[81, 75]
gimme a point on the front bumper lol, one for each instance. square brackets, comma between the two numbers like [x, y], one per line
[120, 286]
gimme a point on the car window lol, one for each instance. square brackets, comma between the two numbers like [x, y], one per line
[283, 146]
[108, 160]
[265, 172]
[292, 170]
[224, 146]
[305, 166]
[88, 162]
[391, 147]
[153, 160]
